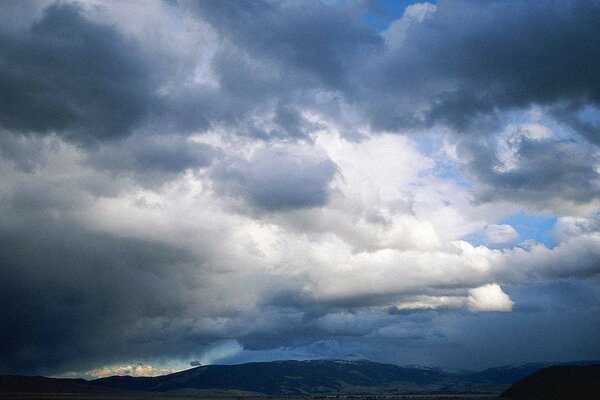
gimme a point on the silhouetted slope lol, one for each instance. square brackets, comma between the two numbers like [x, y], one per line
[40, 384]
[315, 377]
[281, 377]
[504, 375]
[559, 383]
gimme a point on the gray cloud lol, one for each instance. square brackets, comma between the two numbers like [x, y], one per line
[109, 254]
[152, 158]
[277, 179]
[434, 337]
[69, 75]
[67, 292]
[271, 58]
[481, 59]
[542, 172]
[470, 60]
[305, 41]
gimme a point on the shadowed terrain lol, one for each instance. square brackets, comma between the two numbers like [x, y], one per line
[316, 378]
[558, 383]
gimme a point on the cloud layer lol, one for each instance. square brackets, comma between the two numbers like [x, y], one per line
[237, 181]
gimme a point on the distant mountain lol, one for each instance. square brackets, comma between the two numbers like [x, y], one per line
[288, 378]
[347, 376]
[41, 384]
[558, 383]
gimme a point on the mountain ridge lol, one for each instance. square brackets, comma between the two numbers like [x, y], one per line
[357, 376]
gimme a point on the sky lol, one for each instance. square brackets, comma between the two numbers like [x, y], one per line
[217, 182]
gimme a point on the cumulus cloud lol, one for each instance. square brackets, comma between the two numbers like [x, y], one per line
[279, 178]
[548, 174]
[236, 181]
[500, 233]
[489, 298]
[199, 271]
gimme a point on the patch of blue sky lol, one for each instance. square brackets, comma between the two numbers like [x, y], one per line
[384, 12]
[531, 227]
[479, 238]
[445, 168]
[450, 171]
[428, 142]
[590, 114]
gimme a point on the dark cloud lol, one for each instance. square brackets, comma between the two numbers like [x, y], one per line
[564, 321]
[23, 151]
[470, 60]
[452, 339]
[272, 58]
[88, 114]
[540, 172]
[467, 61]
[152, 158]
[304, 40]
[68, 75]
[461, 66]
[69, 296]
[277, 179]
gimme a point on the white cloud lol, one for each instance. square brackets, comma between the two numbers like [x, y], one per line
[489, 298]
[414, 13]
[432, 303]
[500, 233]
[419, 11]
[390, 228]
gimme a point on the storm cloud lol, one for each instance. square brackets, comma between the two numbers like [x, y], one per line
[69, 75]
[462, 61]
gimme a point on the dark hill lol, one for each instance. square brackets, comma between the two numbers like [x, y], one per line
[504, 375]
[559, 383]
[285, 378]
[41, 384]
[295, 378]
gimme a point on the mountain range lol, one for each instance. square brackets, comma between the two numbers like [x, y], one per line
[294, 378]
